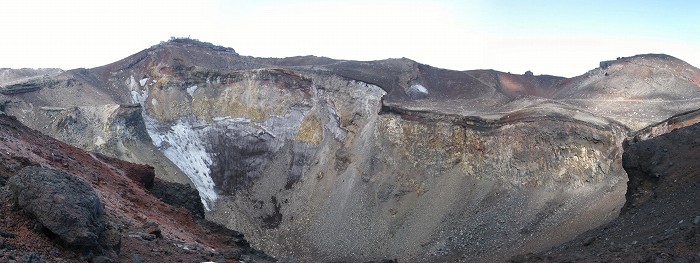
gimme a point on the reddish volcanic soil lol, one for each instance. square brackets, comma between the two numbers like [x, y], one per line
[129, 207]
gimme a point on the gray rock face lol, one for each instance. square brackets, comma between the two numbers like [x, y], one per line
[63, 203]
[421, 188]
[15, 81]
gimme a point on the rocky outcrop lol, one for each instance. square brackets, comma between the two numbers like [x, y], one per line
[20, 88]
[660, 165]
[8, 75]
[64, 204]
[15, 81]
[99, 206]
[66, 106]
[660, 220]
[180, 195]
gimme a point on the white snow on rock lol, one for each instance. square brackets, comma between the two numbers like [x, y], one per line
[191, 90]
[417, 91]
[240, 120]
[219, 119]
[184, 145]
[143, 81]
[137, 95]
[419, 88]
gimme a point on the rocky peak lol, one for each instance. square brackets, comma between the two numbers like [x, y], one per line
[190, 43]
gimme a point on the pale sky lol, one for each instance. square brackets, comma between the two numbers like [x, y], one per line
[565, 38]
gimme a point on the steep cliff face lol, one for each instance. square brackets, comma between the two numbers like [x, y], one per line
[223, 131]
[69, 108]
[326, 160]
[15, 81]
[661, 218]
[431, 190]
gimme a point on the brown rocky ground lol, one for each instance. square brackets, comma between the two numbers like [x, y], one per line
[149, 229]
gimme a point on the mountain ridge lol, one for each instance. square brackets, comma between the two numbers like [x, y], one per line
[399, 159]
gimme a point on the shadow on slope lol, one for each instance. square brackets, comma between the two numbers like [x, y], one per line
[661, 219]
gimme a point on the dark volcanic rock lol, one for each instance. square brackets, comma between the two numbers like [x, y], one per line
[657, 166]
[110, 238]
[181, 195]
[20, 88]
[6, 234]
[153, 229]
[31, 257]
[239, 246]
[64, 204]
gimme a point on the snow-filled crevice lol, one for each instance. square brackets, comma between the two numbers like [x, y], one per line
[183, 144]
[193, 144]
[137, 95]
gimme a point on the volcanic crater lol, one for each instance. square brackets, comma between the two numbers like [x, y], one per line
[323, 160]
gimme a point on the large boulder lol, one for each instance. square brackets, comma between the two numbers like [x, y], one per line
[181, 195]
[63, 203]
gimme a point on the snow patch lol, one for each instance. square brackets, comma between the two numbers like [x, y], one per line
[229, 119]
[154, 102]
[184, 145]
[184, 142]
[218, 119]
[191, 90]
[137, 95]
[419, 88]
[417, 91]
[240, 120]
[99, 141]
[143, 81]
